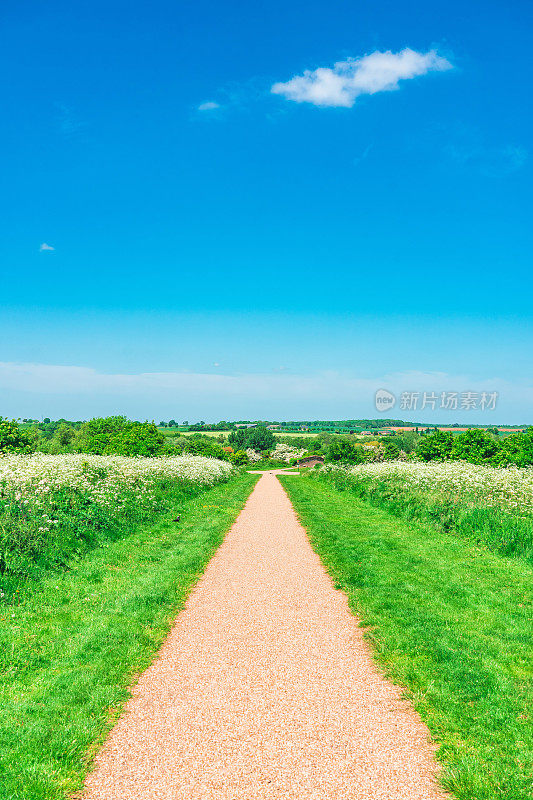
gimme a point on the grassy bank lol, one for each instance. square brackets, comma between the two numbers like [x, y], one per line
[486, 505]
[69, 652]
[449, 621]
[54, 508]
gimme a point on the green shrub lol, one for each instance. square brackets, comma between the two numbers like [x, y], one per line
[258, 438]
[13, 439]
[343, 450]
[238, 458]
[117, 435]
[436, 446]
[478, 446]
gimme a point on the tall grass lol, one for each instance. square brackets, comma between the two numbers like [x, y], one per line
[488, 506]
[53, 509]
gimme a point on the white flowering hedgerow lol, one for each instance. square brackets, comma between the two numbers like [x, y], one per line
[286, 452]
[508, 488]
[54, 505]
[102, 479]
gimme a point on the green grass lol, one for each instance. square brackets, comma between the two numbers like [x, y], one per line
[225, 434]
[176, 432]
[27, 553]
[296, 434]
[449, 621]
[500, 529]
[69, 651]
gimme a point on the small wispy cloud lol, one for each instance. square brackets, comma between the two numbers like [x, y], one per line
[69, 124]
[493, 162]
[44, 247]
[342, 84]
[357, 160]
[209, 106]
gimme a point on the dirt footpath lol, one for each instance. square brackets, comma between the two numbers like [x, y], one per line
[265, 688]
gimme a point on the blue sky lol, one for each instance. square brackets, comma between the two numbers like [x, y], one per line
[178, 240]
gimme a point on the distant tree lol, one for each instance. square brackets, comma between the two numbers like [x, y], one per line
[65, 435]
[476, 446]
[140, 439]
[407, 441]
[108, 435]
[345, 451]
[435, 446]
[391, 450]
[258, 438]
[46, 420]
[511, 447]
[199, 445]
[172, 423]
[13, 439]
[524, 448]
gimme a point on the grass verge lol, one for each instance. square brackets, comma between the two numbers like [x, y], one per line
[449, 621]
[69, 652]
[507, 533]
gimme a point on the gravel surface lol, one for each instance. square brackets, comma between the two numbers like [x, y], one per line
[265, 688]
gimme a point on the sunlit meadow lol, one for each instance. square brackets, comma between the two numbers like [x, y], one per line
[54, 507]
[491, 505]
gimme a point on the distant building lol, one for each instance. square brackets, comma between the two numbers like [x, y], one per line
[273, 427]
[246, 424]
[310, 461]
[303, 428]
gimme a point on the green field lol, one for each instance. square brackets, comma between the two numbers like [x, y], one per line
[295, 434]
[225, 434]
[176, 432]
[448, 620]
[70, 650]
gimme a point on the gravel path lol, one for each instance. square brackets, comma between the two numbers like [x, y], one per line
[265, 688]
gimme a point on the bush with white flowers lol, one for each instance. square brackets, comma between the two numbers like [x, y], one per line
[286, 452]
[508, 488]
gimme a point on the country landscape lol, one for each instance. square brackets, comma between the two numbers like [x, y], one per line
[106, 526]
[266, 400]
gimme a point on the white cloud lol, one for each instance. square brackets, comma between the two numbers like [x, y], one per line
[45, 247]
[82, 392]
[343, 83]
[52, 379]
[210, 106]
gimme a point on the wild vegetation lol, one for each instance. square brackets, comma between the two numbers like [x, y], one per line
[488, 505]
[55, 507]
[246, 443]
[119, 436]
[448, 620]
